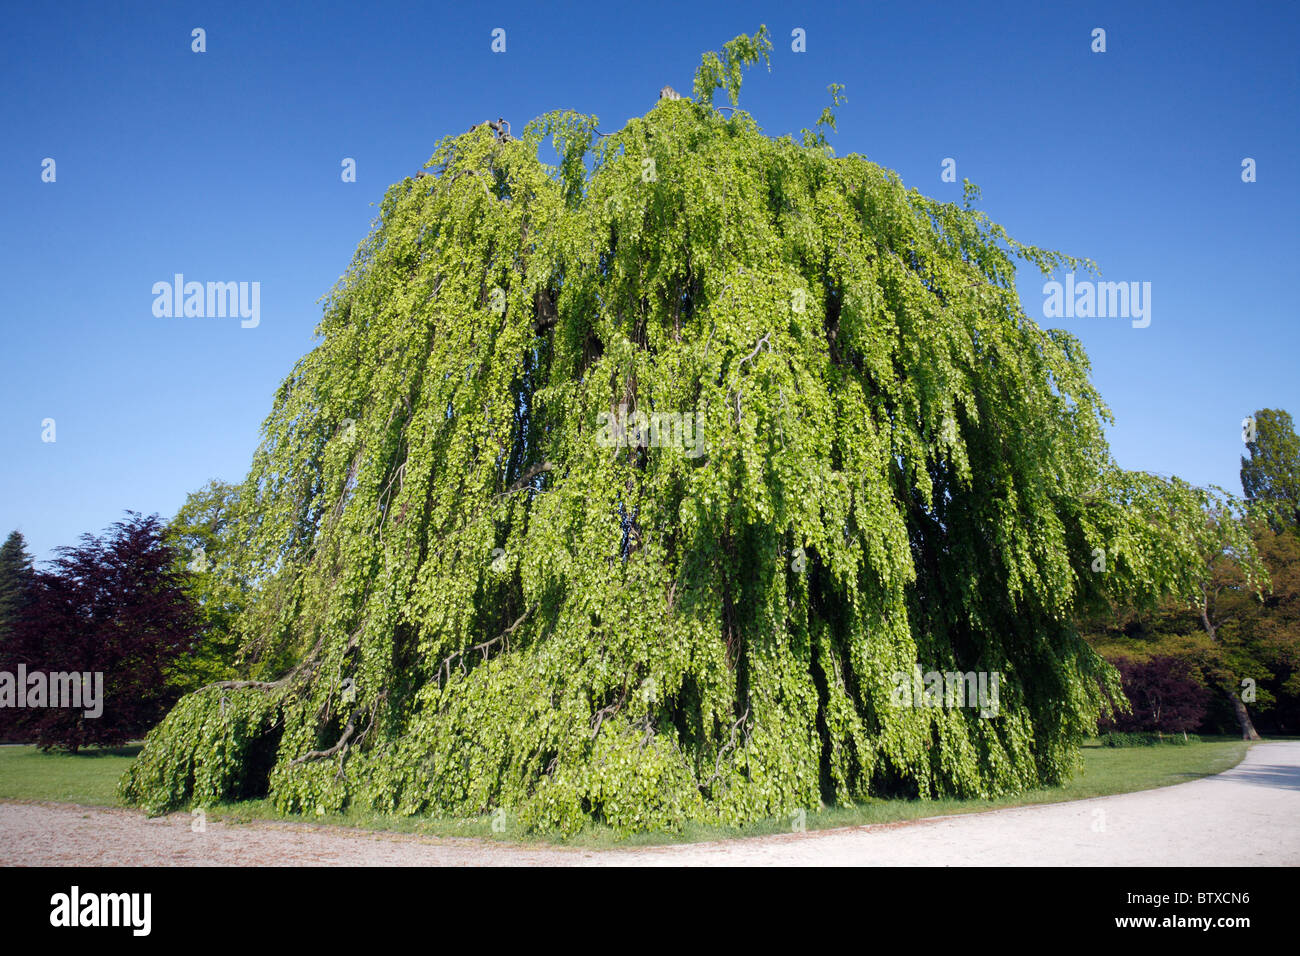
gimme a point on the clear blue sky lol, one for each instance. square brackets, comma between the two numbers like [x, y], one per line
[225, 166]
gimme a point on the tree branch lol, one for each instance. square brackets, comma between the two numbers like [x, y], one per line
[730, 745]
[322, 754]
[526, 477]
[486, 645]
[243, 685]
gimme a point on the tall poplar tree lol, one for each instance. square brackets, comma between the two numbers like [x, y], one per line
[15, 579]
[1270, 476]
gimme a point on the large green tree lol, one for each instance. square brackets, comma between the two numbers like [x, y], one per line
[626, 489]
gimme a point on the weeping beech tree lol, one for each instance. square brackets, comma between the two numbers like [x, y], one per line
[629, 488]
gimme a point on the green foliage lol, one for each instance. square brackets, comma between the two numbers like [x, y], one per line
[1256, 623]
[1270, 629]
[16, 591]
[1156, 529]
[826, 121]
[1270, 477]
[90, 778]
[484, 601]
[726, 71]
[208, 558]
[211, 747]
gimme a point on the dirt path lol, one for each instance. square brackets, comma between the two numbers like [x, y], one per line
[1249, 815]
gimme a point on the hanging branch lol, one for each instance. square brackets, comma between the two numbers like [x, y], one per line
[322, 754]
[764, 341]
[458, 656]
[730, 745]
[244, 685]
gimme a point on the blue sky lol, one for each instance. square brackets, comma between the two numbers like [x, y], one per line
[225, 165]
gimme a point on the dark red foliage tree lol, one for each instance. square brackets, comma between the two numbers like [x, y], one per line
[1165, 694]
[114, 605]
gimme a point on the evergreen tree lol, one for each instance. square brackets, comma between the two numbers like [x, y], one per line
[1270, 477]
[16, 573]
[15, 579]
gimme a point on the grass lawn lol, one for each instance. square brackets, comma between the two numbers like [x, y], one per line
[91, 778]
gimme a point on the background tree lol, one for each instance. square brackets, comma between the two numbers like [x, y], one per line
[1270, 476]
[1241, 633]
[115, 605]
[1165, 694]
[475, 591]
[1248, 654]
[15, 579]
[1226, 584]
[1261, 637]
[15, 592]
[207, 557]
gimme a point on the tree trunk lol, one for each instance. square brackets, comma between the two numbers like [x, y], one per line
[1248, 731]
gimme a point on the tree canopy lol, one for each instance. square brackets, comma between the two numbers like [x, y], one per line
[1166, 696]
[623, 489]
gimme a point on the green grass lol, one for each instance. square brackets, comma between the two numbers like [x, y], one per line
[91, 779]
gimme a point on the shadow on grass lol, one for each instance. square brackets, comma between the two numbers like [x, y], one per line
[90, 753]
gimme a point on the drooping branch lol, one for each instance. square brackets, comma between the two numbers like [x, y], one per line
[243, 685]
[608, 711]
[323, 754]
[484, 647]
[729, 745]
[757, 346]
[764, 341]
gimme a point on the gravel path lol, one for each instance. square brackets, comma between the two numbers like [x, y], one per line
[1249, 815]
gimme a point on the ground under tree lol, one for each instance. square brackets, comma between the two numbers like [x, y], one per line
[848, 452]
